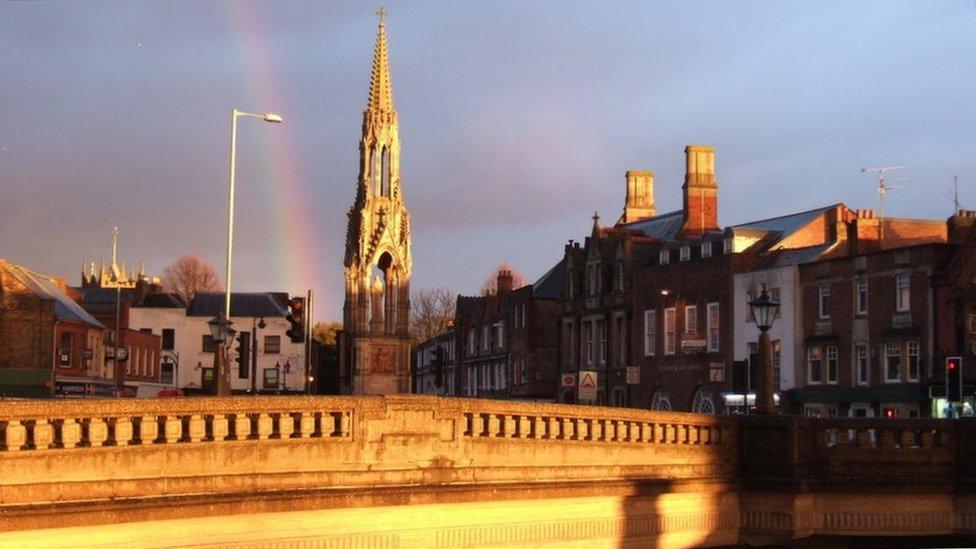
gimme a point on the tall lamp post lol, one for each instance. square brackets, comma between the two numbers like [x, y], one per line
[223, 374]
[764, 311]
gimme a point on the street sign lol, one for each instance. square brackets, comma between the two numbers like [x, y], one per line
[568, 381]
[587, 385]
[690, 345]
[633, 375]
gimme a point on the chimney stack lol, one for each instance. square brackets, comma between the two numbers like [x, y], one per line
[504, 282]
[866, 231]
[640, 196]
[700, 191]
[960, 224]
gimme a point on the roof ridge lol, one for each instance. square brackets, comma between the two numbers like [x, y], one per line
[820, 209]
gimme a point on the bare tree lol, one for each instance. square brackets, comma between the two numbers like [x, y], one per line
[490, 286]
[431, 313]
[188, 275]
[326, 332]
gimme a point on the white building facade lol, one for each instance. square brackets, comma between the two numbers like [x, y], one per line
[275, 363]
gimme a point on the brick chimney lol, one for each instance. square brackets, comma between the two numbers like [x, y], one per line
[961, 224]
[504, 282]
[700, 190]
[865, 232]
[640, 196]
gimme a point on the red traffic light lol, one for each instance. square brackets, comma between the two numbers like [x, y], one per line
[952, 365]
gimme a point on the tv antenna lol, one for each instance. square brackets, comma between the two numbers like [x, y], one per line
[883, 188]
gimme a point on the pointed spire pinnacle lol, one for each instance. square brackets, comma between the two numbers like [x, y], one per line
[380, 86]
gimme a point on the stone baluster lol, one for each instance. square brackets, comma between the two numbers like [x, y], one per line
[864, 438]
[16, 435]
[97, 432]
[543, 427]
[492, 426]
[197, 428]
[705, 434]
[172, 429]
[219, 427]
[70, 433]
[43, 434]
[692, 434]
[907, 439]
[585, 429]
[286, 425]
[264, 426]
[148, 429]
[345, 424]
[123, 430]
[242, 426]
[525, 427]
[599, 427]
[886, 438]
[306, 425]
[926, 439]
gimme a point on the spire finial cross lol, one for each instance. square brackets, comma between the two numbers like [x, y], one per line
[382, 13]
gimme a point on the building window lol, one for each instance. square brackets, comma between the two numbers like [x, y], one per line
[620, 275]
[272, 344]
[814, 366]
[861, 364]
[601, 340]
[485, 338]
[703, 403]
[685, 253]
[64, 351]
[691, 319]
[621, 342]
[593, 270]
[727, 245]
[500, 334]
[209, 345]
[664, 257]
[660, 401]
[903, 293]
[774, 294]
[472, 342]
[861, 296]
[706, 249]
[713, 325]
[270, 380]
[777, 363]
[588, 337]
[892, 353]
[832, 365]
[914, 361]
[169, 339]
[670, 342]
[824, 301]
[650, 329]
[568, 342]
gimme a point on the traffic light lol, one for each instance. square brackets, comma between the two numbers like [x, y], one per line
[890, 413]
[243, 354]
[953, 370]
[296, 317]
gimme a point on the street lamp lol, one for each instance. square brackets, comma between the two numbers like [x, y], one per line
[764, 311]
[224, 382]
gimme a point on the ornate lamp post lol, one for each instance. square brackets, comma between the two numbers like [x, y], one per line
[764, 311]
[222, 333]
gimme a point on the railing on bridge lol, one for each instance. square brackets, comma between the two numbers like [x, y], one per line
[105, 459]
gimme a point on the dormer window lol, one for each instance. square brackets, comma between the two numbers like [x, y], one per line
[706, 250]
[727, 245]
[685, 253]
[664, 257]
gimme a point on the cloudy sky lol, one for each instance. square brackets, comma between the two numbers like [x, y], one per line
[518, 120]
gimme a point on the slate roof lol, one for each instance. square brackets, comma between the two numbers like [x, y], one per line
[785, 257]
[786, 224]
[162, 301]
[241, 305]
[550, 285]
[665, 226]
[45, 288]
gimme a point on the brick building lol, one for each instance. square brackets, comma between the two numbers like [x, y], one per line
[868, 320]
[434, 365]
[506, 343]
[49, 345]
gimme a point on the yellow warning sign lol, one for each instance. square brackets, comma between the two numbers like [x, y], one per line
[587, 385]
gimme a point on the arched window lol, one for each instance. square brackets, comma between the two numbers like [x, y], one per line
[661, 401]
[703, 403]
[375, 172]
[385, 172]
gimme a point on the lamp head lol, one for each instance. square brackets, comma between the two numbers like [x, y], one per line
[764, 310]
[273, 118]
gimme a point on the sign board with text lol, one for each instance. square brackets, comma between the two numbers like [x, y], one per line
[633, 375]
[587, 385]
[568, 381]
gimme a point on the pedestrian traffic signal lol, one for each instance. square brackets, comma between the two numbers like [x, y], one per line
[953, 371]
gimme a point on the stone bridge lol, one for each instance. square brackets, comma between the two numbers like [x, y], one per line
[412, 471]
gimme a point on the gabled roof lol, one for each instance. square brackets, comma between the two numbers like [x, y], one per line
[241, 305]
[550, 285]
[664, 227]
[46, 289]
[162, 301]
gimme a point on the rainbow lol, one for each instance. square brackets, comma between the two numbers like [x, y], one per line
[296, 261]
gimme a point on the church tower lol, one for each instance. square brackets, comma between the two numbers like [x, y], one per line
[375, 352]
